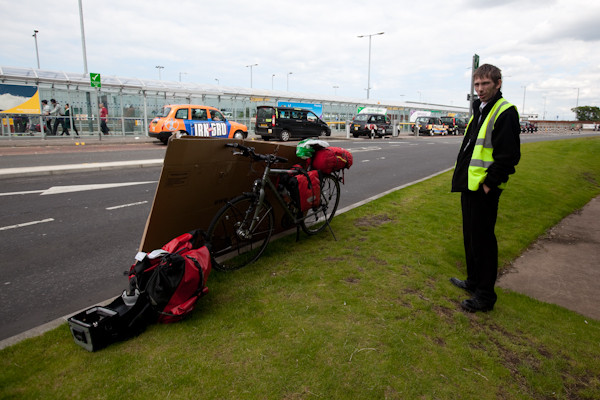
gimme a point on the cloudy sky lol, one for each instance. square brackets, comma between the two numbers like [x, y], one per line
[547, 49]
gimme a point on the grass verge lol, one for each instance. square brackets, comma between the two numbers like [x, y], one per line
[371, 315]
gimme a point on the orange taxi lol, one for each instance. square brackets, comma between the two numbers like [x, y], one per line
[194, 120]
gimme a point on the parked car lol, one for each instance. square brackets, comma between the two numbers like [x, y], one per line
[456, 126]
[194, 120]
[371, 124]
[285, 123]
[527, 126]
[430, 126]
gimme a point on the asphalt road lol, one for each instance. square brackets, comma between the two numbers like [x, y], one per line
[66, 241]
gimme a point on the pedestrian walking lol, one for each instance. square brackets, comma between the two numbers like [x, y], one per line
[46, 114]
[103, 117]
[68, 121]
[57, 112]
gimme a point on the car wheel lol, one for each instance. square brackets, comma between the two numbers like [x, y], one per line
[238, 135]
[355, 135]
[284, 136]
[266, 138]
[325, 133]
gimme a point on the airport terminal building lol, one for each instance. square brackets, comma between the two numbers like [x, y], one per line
[132, 103]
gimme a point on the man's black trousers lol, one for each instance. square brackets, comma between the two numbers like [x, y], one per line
[479, 212]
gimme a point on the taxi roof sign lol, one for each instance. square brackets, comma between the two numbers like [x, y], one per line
[372, 110]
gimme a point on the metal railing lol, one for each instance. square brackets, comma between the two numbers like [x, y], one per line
[16, 126]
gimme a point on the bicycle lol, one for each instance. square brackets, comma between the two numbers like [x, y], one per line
[241, 230]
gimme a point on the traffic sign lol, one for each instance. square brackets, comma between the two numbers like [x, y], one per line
[95, 80]
[476, 61]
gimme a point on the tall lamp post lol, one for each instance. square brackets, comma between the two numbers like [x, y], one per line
[37, 53]
[159, 67]
[251, 65]
[287, 83]
[335, 88]
[272, 78]
[369, 71]
[85, 66]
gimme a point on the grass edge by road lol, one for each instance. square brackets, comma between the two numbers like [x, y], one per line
[369, 316]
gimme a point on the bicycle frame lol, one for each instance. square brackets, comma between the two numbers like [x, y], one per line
[259, 190]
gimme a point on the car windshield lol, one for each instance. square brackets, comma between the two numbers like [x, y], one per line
[265, 112]
[164, 112]
[361, 117]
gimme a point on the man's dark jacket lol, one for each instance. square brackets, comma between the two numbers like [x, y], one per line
[506, 143]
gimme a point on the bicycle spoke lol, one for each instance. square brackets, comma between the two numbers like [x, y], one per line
[233, 244]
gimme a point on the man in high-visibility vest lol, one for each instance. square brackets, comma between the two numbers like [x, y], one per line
[488, 155]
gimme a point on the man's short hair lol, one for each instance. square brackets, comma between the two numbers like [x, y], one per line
[488, 71]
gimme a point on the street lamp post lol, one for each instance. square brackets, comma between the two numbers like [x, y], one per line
[335, 88]
[287, 84]
[85, 66]
[37, 54]
[251, 65]
[218, 82]
[159, 67]
[272, 77]
[369, 71]
[577, 103]
[181, 73]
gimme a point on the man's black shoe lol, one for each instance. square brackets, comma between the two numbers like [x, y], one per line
[474, 304]
[461, 284]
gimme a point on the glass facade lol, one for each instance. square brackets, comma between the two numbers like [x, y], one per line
[132, 103]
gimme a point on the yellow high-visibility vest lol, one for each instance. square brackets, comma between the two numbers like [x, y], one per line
[482, 153]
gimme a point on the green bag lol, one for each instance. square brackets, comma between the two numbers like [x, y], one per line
[306, 148]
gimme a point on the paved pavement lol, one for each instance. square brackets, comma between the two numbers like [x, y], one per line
[562, 267]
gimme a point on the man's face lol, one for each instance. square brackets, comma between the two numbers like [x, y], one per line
[486, 89]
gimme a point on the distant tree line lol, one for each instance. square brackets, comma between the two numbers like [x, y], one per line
[587, 113]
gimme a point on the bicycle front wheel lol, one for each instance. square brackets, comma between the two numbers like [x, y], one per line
[234, 244]
[316, 219]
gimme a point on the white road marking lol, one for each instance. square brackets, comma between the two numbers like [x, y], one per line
[18, 193]
[5, 228]
[83, 188]
[76, 188]
[361, 149]
[127, 205]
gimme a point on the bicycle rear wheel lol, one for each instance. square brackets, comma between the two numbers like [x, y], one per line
[233, 245]
[315, 220]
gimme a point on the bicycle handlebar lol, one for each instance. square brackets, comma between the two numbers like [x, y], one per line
[249, 152]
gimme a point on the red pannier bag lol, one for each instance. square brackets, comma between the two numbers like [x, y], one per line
[330, 159]
[173, 277]
[304, 188]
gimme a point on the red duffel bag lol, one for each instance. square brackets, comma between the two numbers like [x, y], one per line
[330, 159]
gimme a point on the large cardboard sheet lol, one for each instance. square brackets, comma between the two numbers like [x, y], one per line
[199, 176]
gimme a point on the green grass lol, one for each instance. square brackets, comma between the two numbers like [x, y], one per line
[369, 316]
